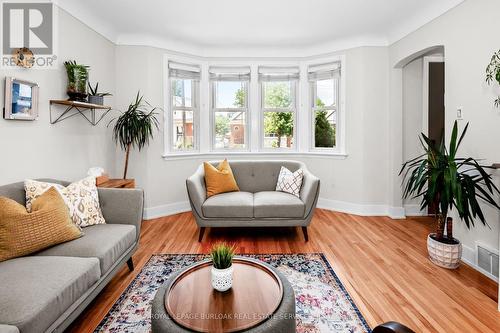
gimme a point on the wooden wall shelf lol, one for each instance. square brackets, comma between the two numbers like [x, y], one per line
[74, 108]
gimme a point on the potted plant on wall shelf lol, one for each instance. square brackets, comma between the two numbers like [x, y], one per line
[222, 269]
[96, 97]
[134, 128]
[442, 179]
[77, 80]
[493, 72]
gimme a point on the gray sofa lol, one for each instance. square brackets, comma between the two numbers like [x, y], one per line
[257, 204]
[46, 291]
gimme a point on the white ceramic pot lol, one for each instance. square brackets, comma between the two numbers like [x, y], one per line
[222, 279]
[443, 254]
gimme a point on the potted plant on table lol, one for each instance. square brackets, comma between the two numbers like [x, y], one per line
[96, 97]
[222, 269]
[77, 80]
[443, 180]
[135, 127]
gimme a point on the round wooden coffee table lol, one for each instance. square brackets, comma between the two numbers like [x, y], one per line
[192, 302]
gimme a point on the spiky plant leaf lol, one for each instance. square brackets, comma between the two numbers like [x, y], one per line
[222, 255]
[439, 176]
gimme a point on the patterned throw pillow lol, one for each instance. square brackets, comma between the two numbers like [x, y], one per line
[81, 197]
[290, 182]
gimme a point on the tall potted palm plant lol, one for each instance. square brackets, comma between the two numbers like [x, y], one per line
[447, 182]
[134, 128]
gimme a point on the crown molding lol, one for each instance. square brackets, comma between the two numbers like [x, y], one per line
[209, 52]
[85, 15]
[439, 8]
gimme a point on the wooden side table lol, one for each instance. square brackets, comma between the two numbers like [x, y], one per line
[118, 183]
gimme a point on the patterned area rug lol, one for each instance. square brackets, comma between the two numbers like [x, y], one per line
[322, 303]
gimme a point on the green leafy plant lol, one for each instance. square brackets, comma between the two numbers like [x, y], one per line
[441, 178]
[93, 91]
[222, 255]
[135, 127]
[77, 77]
[493, 72]
[324, 132]
[277, 95]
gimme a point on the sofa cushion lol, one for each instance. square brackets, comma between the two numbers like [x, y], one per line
[107, 242]
[234, 204]
[35, 291]
[277, 205]
[257, 176]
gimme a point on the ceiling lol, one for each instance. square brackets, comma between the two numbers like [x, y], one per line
[201, 25]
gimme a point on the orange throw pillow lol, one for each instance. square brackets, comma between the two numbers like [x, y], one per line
[48, 224]
[219, 180]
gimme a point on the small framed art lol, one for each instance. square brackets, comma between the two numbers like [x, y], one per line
[21, 99]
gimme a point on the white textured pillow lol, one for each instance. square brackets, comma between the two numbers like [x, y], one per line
[81, 197]
[290, 182]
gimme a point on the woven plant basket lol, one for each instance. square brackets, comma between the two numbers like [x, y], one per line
[444, 255]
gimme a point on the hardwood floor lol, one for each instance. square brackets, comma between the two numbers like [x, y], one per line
[382, 263]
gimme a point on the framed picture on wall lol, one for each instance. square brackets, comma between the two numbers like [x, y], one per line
[21, 99]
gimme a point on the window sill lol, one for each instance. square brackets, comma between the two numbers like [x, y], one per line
[210, 155]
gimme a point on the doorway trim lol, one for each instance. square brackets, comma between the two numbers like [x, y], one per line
[425, 90]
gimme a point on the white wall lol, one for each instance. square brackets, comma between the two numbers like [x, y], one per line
[66, 150]
[469, 34]
[412, 116]
[356, 183]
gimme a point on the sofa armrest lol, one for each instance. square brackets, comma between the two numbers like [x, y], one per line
[309, 191]
[122, 206]
[196, 190]
[4, 328]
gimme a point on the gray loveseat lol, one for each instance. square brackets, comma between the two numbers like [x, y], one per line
[257, 204]
[46, 291]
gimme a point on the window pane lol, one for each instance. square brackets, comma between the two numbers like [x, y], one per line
[183, 131]
[278, 95]
[325, 125]
[230, 94]
[326, 93]
[278, 129]
[230, 130]
[182, 92]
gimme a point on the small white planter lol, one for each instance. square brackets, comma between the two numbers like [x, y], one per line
[222, 279]
[444, 255]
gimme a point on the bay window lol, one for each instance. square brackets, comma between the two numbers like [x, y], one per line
[184, 106]
[325, 87]
[278, 106]
[229, 108]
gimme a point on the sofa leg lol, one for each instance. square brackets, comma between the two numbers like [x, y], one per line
[130, 264]
[304, 231]
[200, 236]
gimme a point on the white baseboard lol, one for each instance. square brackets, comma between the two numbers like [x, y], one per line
[414, 210]
[335, 205]
[469, 258]
[165, 210]
[360, 209]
